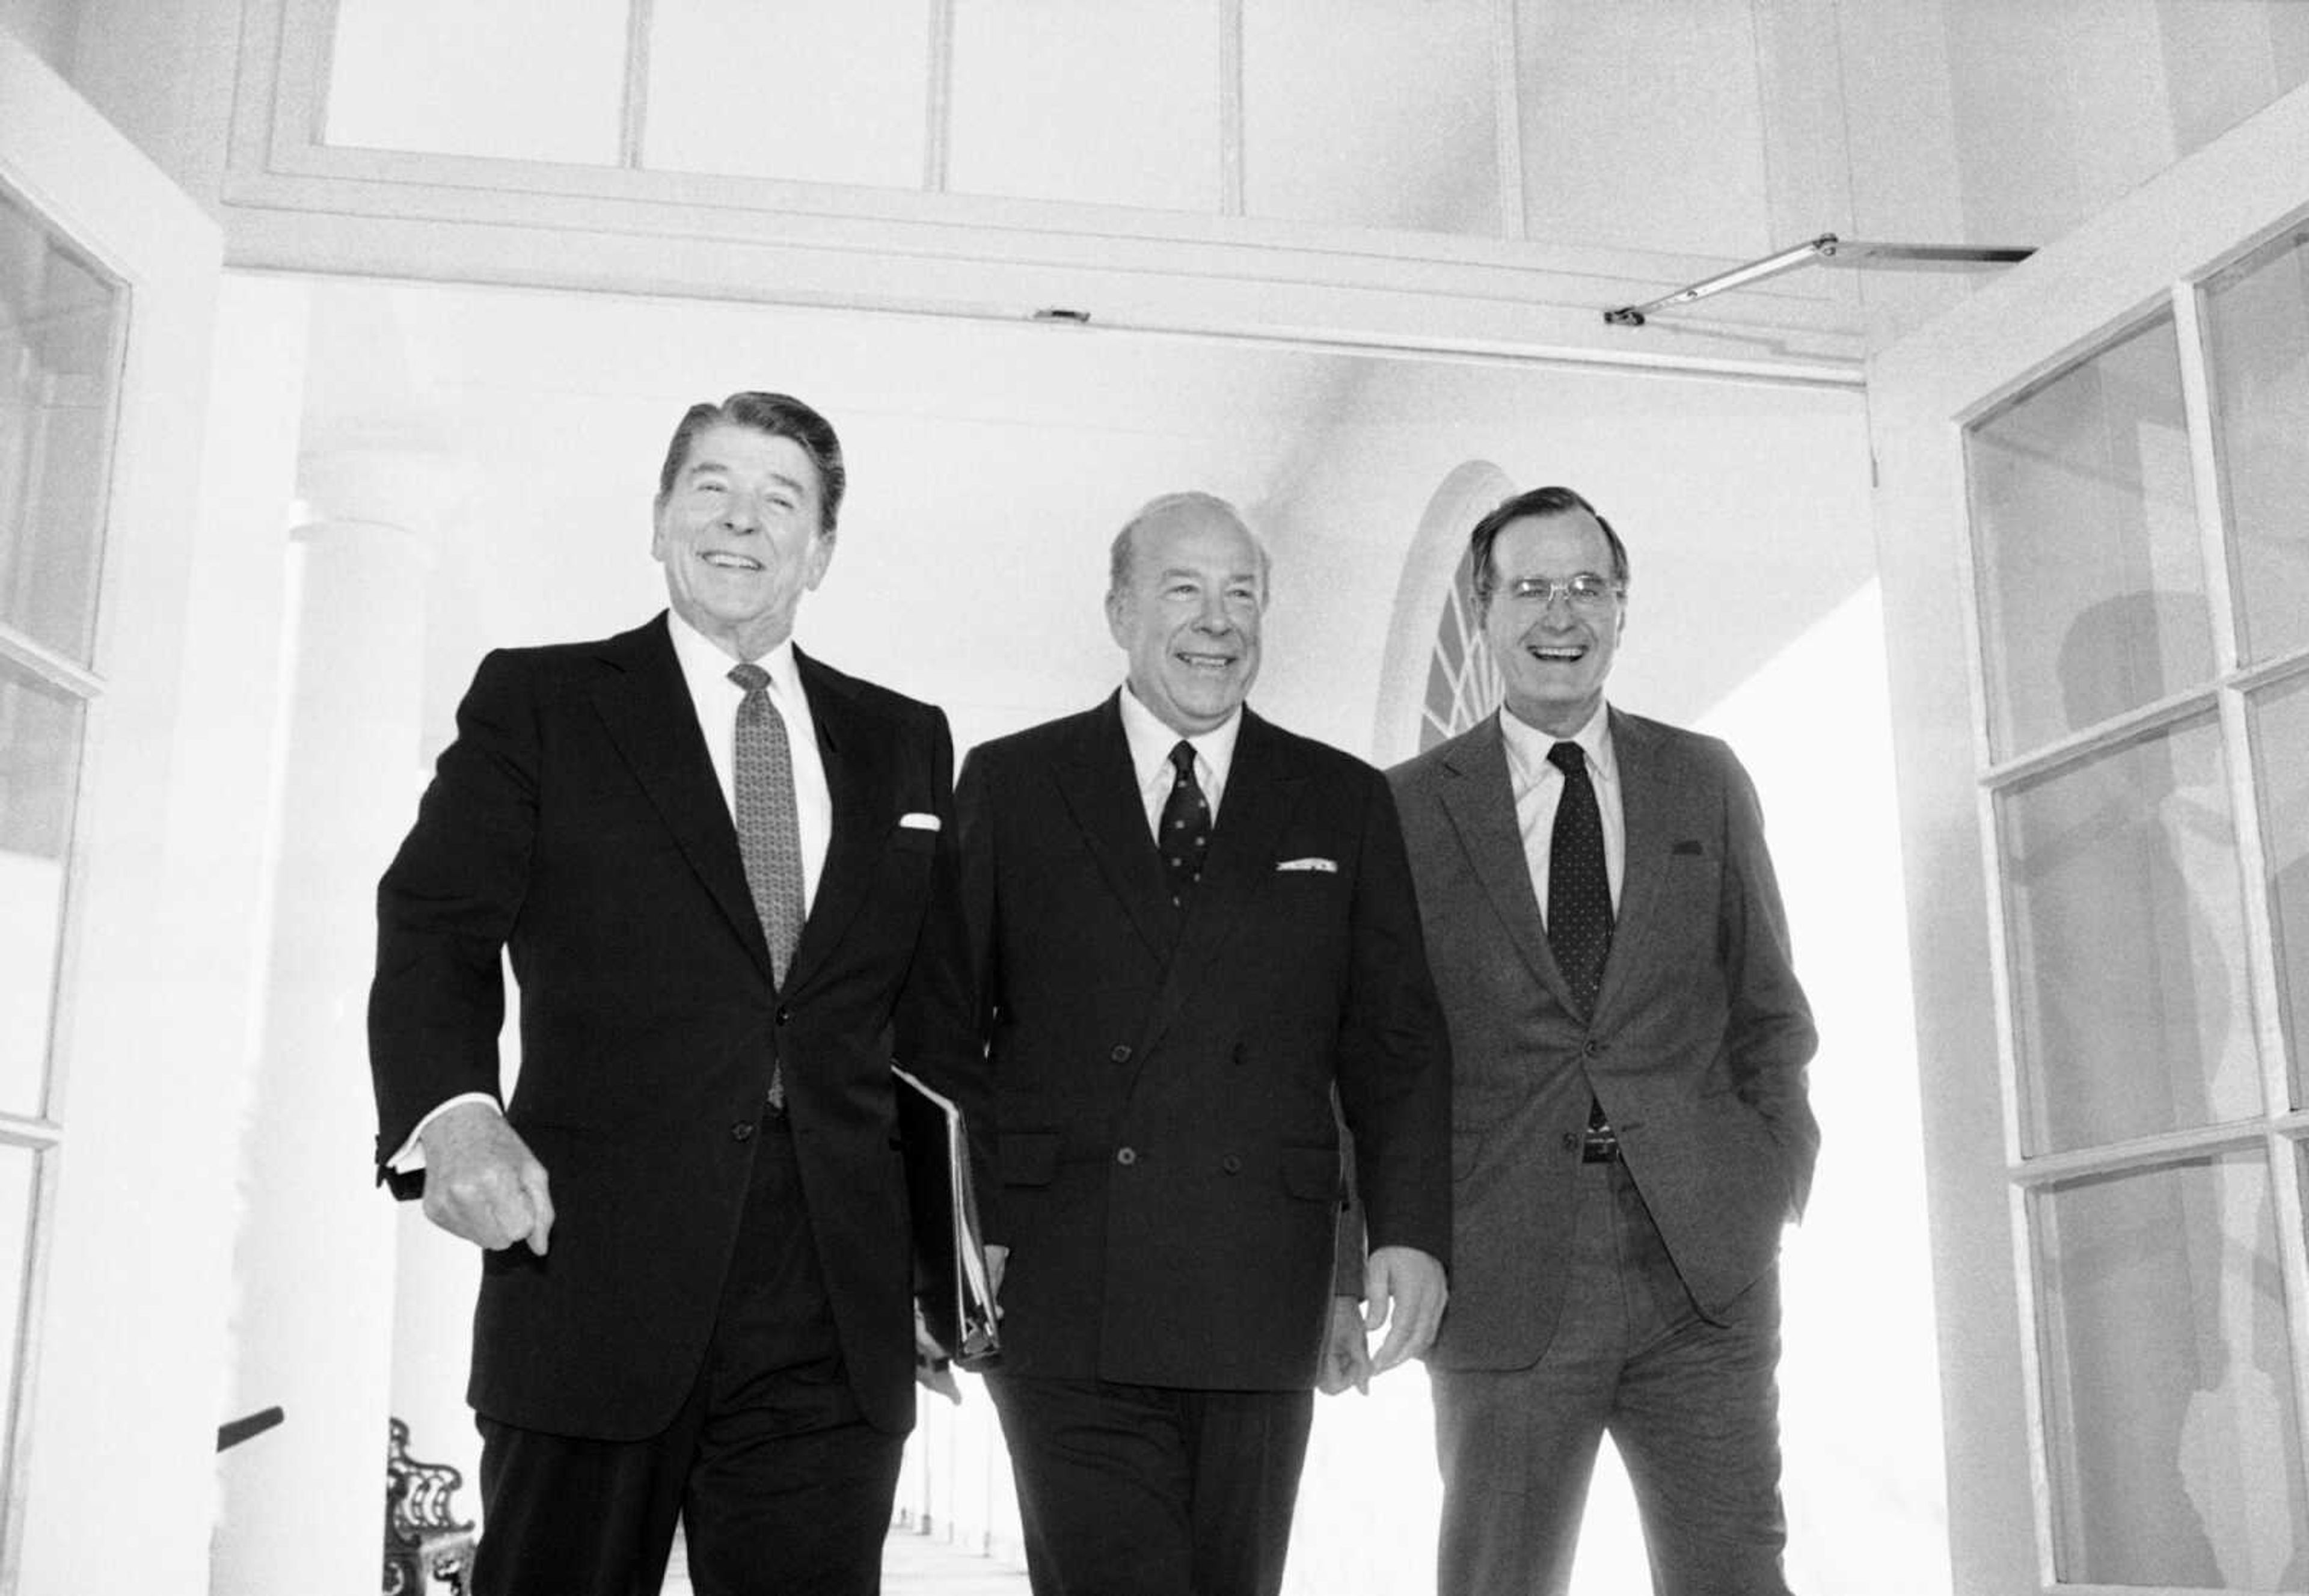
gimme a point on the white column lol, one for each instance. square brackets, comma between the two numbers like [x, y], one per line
[315, 1265]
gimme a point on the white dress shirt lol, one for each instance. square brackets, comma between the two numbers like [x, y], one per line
[1151, 742]
[715, 697]
[705, 670]
[1539, 787]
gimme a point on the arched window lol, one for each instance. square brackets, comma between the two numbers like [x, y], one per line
[1439, 679]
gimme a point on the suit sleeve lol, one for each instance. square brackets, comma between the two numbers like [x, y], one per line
[444, 909]
[1770, 1038]
[941, 1025]
[1394, 1055]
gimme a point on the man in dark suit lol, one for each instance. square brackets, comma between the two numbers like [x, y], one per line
[1632, 1131]
[1167, 1029]
[712, 860]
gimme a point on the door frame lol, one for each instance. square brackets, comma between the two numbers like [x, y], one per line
[130, 1276]
[2148, 252]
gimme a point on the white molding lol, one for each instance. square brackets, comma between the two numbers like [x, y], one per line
[290, 203]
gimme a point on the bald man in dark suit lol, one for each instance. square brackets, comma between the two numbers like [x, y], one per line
[1191, 932]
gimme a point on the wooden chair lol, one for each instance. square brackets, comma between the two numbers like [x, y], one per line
[424, 1540]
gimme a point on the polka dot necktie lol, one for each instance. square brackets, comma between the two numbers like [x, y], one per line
[769, 831]
[1579, 891]
[1184, 832]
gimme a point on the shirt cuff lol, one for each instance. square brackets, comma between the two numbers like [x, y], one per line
[412, 1156]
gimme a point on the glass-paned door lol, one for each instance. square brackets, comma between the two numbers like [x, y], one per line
[109, 281]
[2095, 520]
[62, 326]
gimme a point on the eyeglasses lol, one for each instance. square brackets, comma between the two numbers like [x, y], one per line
[1586, 591]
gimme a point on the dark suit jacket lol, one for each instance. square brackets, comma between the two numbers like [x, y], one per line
[1696, 1049]
[576, 822]
[1169, 1167]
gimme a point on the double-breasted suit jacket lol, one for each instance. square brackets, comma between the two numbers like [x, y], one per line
[576, 823]
[1697, 1048]
[1168, 1171]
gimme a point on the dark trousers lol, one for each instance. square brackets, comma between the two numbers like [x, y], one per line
[1141, 1490]
[1692, 1405]
[779, 1485]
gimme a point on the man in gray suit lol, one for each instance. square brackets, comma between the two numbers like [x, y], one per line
[1631, 1130]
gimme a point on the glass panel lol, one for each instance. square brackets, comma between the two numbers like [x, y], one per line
[60, 324]
[2092, 591]
[2127, 939]
[19, 1167]
[520, 80]
[2257, 329]
[760, 89]
[1116, 103]
[2280, 751]
[2168, 1386]
[40, 758]
[1371, 112]
[1643, 127]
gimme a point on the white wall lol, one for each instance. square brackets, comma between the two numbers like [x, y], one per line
[1742, 506]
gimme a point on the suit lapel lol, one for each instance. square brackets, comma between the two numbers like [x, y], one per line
[1101, 793]
[1260, 793]
[1479, 797]
[854, 746]
[1647, 790]
[646, 706]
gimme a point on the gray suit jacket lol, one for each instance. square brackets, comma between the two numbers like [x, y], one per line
[1697, 1048]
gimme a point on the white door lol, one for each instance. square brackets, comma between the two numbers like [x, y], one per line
[107, 279]
[2093, 521]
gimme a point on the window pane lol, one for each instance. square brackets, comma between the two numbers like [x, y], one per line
[1643, 127]
[2280, 751]
[1116, 103]
[2127, 944]
[2092, 592]
[1371, 112]
[2169, 1396]
[39, 759]
[777, 90]
[60, 324]
[521, 79]
[2257, 326]
[19, 1166]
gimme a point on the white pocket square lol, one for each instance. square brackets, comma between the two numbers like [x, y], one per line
[1328, 866]
[919, 822]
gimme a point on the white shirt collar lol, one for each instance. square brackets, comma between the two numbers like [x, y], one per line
[705, 665]
[1527, 746]
[1151, 742]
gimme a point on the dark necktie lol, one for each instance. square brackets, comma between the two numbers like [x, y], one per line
[769, 831]
[1184, 833]
[1579, 890]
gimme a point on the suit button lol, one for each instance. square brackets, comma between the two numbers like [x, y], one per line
[1120, 1054]
[1231, 1164]
[1126, 1157]
[783, 1014]
[1591, 1047]
[742, 1131]
[1571, 1142]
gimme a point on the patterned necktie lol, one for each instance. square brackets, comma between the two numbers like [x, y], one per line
[1184, 833]
[769, 832]
[1579, 890]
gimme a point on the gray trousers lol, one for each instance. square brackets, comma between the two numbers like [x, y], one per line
[1692, 1405]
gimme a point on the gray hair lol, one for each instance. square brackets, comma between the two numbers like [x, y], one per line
[1122, 555]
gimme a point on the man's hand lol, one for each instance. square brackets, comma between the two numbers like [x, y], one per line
[481, 1182]
[1347, 1356]
[1406, 1285]
[932, 1369]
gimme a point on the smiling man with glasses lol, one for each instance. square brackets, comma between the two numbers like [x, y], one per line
[1629, 1044]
